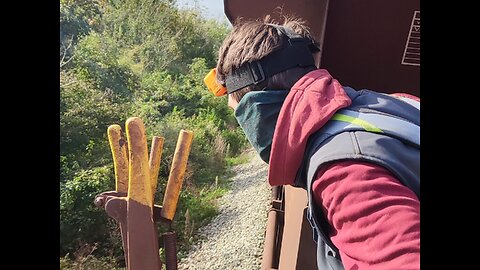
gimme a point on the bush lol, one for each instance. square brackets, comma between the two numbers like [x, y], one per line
[96, 61]
[81, 221]
[89, 262]
[136, 58]
[85, 114]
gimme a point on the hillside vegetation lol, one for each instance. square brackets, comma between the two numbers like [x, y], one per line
[125, 58]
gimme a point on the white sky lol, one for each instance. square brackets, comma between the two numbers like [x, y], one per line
[210, 8]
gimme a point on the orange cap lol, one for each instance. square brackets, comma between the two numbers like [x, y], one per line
[212, 84]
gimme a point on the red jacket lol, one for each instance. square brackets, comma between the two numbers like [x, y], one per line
[375, 220]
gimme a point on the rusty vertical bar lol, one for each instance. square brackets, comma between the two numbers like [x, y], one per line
[170, 246]
[142, 237]
[177, 171]
[273, 231]
[118, 145]
[154, 161]
[268, 257]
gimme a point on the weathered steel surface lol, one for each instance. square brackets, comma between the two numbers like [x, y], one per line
[139, 186]
[154, 161]
[119, 148]
[132, 203]
[170, 246]
[270, 251]
[177, 171]
[118, 145]
[298, 250]
[142, 234]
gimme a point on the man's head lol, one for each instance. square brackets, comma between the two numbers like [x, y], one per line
[251, 41]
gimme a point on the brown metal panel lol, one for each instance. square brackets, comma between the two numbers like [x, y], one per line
[269, 258]
[177, 171]
[141, 233]
[298, 248]
[365, 43]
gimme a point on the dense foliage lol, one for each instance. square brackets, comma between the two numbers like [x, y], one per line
[123, 58]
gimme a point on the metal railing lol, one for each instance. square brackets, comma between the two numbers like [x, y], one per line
[132, 202]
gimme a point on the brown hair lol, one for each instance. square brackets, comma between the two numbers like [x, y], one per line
[252, 40]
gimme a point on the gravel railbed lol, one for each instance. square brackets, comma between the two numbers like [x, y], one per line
[234, 238]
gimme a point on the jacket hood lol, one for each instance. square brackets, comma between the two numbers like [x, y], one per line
[311, 102]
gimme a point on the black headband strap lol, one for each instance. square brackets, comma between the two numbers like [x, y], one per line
[296, 52]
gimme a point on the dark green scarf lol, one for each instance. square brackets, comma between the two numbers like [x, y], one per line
[257, 114]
